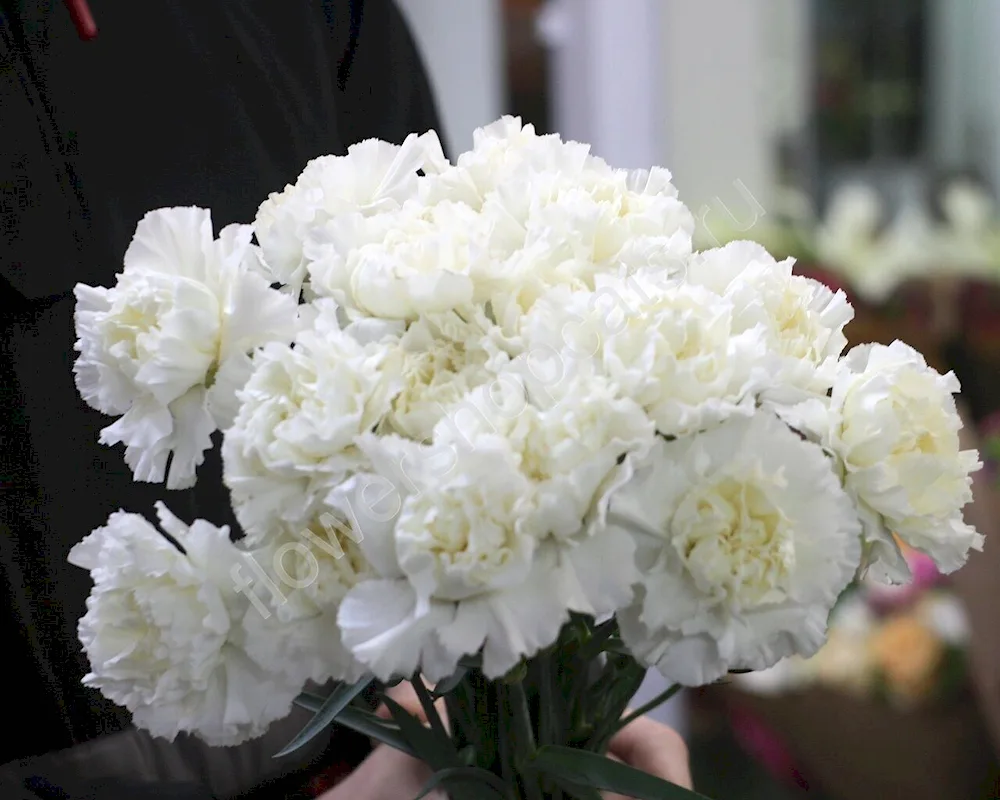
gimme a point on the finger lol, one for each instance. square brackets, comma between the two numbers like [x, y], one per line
[385, 775]
[406, 696]
[654, 748]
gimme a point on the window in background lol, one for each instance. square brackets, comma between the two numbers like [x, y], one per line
[870, 88]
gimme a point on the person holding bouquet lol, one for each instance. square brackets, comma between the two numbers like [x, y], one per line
[170, 103]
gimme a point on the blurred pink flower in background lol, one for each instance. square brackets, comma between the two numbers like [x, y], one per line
[885, 599]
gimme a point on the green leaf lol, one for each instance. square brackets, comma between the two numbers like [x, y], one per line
[627, 676]
[360, 721]
[577, 792]
[367, 724]
[592, 769]
[523, 737]
[309, 701]
[427, 703]
[617, 647]
[505, 735]
[464, 728]
[338, 700]
[598, 640]
[466, 775]
[652, 705]
[551, 711]
[430, 747]
[449, 685]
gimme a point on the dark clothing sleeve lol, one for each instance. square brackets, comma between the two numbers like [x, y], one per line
[213, 103]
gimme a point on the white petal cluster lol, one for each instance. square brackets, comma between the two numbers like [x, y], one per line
[164, 631]
[745, 540]
[292, 441]
[895, 429]
[168, 346]
[462, 402]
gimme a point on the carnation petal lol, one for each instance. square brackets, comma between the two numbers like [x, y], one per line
[392, 634]
[173, 241]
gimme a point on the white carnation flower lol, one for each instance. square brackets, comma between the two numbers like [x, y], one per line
[574, 435]
[420, 260]
[440, 534]
[895, 427]
[163, 631]
[444, 357]
[802, 319]
[168, 346]
[474, 549]
[293, 438]
[300, 579]
[553, 230]
[745, 541]
[505, 148]
[667, 345]
[374, 177]
[571, 438]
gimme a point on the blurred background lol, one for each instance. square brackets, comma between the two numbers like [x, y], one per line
[861, 137]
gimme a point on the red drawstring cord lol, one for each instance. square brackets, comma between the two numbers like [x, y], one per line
[86, 28]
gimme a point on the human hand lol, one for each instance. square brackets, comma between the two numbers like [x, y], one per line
[652, 747]
[644, 744]
[388, 774]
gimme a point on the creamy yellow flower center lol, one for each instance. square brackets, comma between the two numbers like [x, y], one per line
[433, 379]
[736, 544]
[471, 537]
[796, 326]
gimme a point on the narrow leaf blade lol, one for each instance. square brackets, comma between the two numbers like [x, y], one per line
[367, 724]
[438, 753]
[577, 792]
[310, 702]
[338, 700]
[585, 768]
[449, 685]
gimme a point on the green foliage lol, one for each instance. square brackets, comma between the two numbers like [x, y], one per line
[538, 733]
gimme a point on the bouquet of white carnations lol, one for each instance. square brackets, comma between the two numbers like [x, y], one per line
[493, 425]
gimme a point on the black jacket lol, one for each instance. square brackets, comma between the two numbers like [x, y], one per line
[181, 102]
[213, 103]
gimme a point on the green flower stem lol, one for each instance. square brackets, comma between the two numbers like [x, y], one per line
[524, 738]
[656, 702]
[551, 715]
[546, 732]
[506, 755]
[430, 710]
